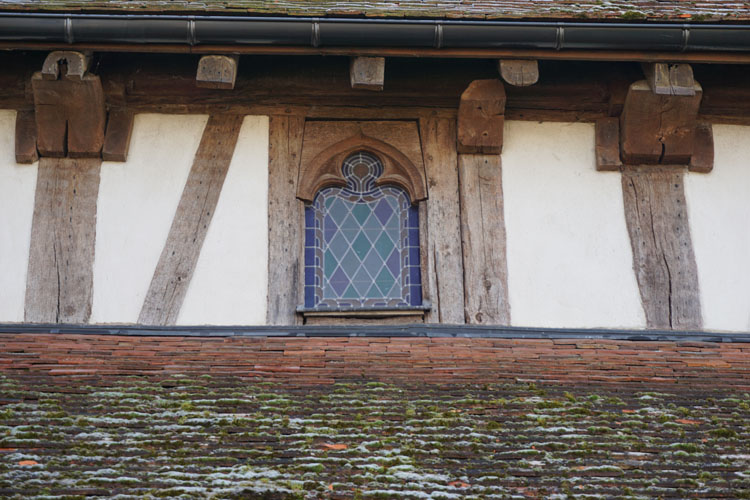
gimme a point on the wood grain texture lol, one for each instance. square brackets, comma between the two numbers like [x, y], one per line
[658, 129]
[702, 160]
[61, 258]
[26, 137]
[663, 258]
[217, 72]
[367, 73]
[608, 144]
[195, 210]
[117, 137]
[326, 145]
[70, 116]
[519, 72]
[443, 240]
[481, 117]
[670, 79]
[483, 240]
[285, 220]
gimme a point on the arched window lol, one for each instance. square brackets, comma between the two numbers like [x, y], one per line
[362, 242]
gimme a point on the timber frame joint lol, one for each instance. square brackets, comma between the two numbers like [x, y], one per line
[69, 118]
[658, 125]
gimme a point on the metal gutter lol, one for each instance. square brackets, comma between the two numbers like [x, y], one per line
[411, 330]
[341, 32]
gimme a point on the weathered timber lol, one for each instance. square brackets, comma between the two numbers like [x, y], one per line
[327, 144]
[481, 117]
[444, 260]
[663, 258]
[285, 220]
[702, 160]
[658, 129]
[26, 137]
[670, 79]
[519, 72]
[70, 116]
[608, 144]
[117, 137]
[217, 72]
[483, 240]
[367, 73]
[61, 258]
[195, 210]
[75, 65]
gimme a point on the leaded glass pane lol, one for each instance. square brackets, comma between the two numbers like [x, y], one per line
[362, 242]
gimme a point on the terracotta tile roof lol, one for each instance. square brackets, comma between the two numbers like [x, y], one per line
[610, 10]
[217, 437]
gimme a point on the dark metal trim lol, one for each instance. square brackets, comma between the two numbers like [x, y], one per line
[356, 32]
[418, 330]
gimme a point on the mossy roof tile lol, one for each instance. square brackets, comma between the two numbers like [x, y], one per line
[610, 10]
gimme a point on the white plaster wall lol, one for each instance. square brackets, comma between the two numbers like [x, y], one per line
[719, 213]
[137, 201]
[569, 255]
[230, 282]
[17, 188]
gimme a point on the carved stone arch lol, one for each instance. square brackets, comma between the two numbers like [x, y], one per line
[324, 169]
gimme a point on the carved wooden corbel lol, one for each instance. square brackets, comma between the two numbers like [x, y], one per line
[519, 72]
[69, 116]
[655, 129]
[481, 117]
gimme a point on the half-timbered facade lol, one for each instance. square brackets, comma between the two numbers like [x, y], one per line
[492, 168]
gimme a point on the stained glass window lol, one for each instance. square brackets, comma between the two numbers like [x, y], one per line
[362, 243]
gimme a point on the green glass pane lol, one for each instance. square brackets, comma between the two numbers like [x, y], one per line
[350, 293]
[385, 281]
[361, 212]
[329, 263]
[361, 246]
[384, 245]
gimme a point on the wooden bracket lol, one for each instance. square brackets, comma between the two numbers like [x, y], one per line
[217, 72]
[69, 64]
[670, 79]
[481, 117]
[26, 137]
[519, 72]
[367, 73]
[655, 129]
[70, 114]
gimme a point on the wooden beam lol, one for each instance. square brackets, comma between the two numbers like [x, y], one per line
[519, 72]
[658, 129]
[117, 138]
[367, 73]
[195, 210]
[26, 137]
[608, 144]
[68, 64]
[444, 259]
[483, 240]
[481, 117]
[217, 72]
[663, 258]
[670, 79]
[285, 220]
[63, 234]
[702, 160]
[70, 116]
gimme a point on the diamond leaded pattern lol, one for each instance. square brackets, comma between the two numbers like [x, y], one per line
[362, 243]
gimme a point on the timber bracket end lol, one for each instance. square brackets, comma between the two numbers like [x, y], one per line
[70, 118]
[656, 128]
[481, 118]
